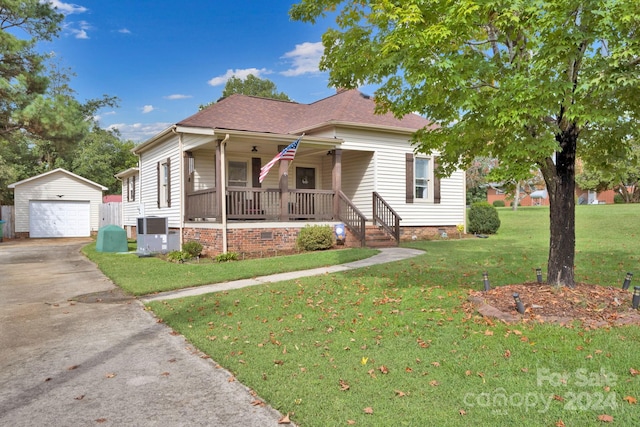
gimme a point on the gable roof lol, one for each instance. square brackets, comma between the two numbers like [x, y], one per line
[249, 113]
[55, 171]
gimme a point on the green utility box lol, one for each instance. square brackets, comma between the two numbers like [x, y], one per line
[1, 227]
[112, 238]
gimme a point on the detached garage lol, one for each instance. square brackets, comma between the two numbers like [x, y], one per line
[57, 204]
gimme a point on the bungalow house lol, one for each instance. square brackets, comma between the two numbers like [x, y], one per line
[351, 166]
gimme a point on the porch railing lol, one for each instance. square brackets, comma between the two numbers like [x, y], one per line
[385, 216]
[260, 204]
[314, 205]
[202, 204]
[352, 217]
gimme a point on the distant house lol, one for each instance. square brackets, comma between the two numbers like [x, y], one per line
[57, 203]
[352, 166]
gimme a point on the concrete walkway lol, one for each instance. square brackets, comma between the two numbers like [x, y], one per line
[385, 255]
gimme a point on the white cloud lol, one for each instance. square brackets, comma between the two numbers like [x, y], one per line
[139, 132]
[67, 8]
[147, 109]
[304, 58]
[177, 96]
[241, 74]
[124, 31]
[78, 29]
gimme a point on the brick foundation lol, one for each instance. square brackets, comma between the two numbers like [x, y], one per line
[247, 242]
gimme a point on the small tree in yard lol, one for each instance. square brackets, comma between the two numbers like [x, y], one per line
[534, 83]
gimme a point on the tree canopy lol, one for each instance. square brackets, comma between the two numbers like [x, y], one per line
[534, 83]
[252, 86]
[42, 124]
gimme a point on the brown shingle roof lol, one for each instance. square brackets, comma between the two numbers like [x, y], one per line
[248, 113]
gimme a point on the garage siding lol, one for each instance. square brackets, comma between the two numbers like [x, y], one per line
[50, 187]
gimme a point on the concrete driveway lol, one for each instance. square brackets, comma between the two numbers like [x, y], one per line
[74, 351]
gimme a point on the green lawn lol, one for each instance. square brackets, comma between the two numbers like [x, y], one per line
[146, 275]
[399, 340]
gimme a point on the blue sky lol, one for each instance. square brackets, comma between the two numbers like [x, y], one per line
[164, 58]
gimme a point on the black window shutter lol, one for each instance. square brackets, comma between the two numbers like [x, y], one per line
[409, 178]
[255, 172]
[436, 181]
[159, 183]
[133, 190]
[128, 189]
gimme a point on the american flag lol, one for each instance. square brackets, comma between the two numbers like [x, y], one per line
[287, 154]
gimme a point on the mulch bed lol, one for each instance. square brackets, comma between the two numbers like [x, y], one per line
[593, 306]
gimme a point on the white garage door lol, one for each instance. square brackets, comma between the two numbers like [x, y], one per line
[59, 219]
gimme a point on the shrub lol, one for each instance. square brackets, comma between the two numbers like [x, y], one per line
[178, 256]
[229, 256]
[617, 198]
[194, 249]
[483, 219]
[498, 203]
[315, 237]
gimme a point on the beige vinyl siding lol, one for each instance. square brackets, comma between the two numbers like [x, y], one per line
[204, 176]
[130, 208]
[49, 188]
[160, 152]
[386, 175]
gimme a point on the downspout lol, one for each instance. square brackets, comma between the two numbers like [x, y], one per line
[223, 202]
[181, 171]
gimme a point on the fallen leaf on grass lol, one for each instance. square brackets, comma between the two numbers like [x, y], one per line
[434, 383]
[344, 386]
[560, 423]
[350, 422]
[634, 372]
[257, 402]
[368, 410]
[507, 354]
[400, 393]
[558, 398]
[383, 369]
[462, 412]
[605, 418]
[632, 400]
[436, 364]
[284, 420]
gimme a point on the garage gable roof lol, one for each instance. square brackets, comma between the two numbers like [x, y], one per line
[55, 171]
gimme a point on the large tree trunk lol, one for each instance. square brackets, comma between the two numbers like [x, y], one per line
[560, 180]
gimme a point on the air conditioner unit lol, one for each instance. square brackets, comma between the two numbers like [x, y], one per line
[154, 236]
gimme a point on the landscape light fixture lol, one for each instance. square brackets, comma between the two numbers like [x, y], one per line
[635, 301]
[539, 275]
[485, 280]
[627, 281]
[254, 149]
[519, 304]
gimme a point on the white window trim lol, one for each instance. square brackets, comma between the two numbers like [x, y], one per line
[430, 179]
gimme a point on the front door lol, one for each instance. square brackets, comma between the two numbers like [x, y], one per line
[305, 178]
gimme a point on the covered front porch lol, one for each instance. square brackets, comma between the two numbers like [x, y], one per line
[221, 182]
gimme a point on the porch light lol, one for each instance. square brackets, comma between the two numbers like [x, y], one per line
[485, 280]
[254, 149]
[539, 275]
[519, 304]
[627, 281]
[635, 301]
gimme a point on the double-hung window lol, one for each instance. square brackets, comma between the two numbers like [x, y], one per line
[421, 180]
